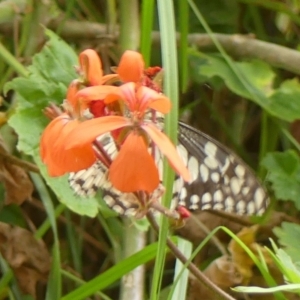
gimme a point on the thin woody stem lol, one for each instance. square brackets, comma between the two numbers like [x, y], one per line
[19, 162]
[165, 211]
[102, 154]
[219, 293]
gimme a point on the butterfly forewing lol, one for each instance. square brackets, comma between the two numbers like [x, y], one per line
[220, 180]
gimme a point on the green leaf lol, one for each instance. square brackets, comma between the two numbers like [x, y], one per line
[289, 237]
[181, 275]
[291, 271]
[82, 206]
[285, 101]
[252, 80]
[105, 279]
[259, 290]
[54, 283]
[258, 74]
[284, 174]
[51, 72]
[283, 261]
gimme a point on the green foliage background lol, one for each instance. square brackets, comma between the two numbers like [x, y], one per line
[251, 105]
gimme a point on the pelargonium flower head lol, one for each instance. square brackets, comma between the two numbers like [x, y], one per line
[53, 153]
[52, 148]
[136, 132]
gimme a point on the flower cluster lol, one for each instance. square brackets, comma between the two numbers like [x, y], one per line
[95, 106]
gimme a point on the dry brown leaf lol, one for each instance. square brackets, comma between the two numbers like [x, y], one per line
[18, 186]
[27, 256]
[3, 115]
[242, 260]
[222, 272]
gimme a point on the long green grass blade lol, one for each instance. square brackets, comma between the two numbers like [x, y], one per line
[114, 273]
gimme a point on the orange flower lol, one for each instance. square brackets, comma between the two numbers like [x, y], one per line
[52, 147]
[131, 66]
[91, 69]
[133, 139]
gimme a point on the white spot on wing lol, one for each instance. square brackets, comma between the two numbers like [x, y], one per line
[218, 206]
[193, 167]
[206, 206]
[240, 171]
[259, 197]
[183, 193]
[118, 209]
[210, 149]
[204, 172]
[211, 162]
[229, 203]
[215, 177]
[226, 180]
[225, 166]
[206, 198]
[241, 207]
[251, 208]
[245, 190]
[178, 184]
[235, 185]
[183, 153]
[218, 196]
[160, 168]
[109, 200]
[195, 199]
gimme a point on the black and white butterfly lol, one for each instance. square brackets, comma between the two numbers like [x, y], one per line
[220, 179]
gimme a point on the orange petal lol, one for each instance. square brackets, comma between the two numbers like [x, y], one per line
[97, 93]
[134, 168]
[129, 95]
[91, 66]
[167, 148]
[131, 66]
[72, 91]
[88, 131]
[154, 100]
[110, 79]
[49, 135]
[73, 160]
[58, 160]
[162, 105]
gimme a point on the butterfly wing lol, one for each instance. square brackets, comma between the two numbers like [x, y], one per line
[220, 179]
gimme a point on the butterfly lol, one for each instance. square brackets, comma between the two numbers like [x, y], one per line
[220, 179]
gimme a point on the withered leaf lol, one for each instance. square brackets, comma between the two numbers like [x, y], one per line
[17, 184]
[240, 257]
[223, 272]
[27, 256]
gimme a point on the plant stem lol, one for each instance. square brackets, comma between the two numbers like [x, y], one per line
[12, 61]
[218, 293]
